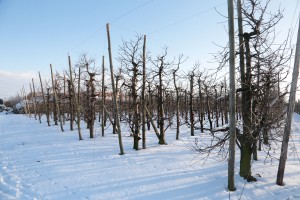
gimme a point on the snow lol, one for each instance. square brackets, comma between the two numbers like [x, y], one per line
[42, 163]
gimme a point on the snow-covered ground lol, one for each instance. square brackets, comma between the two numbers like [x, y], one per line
[40, 162]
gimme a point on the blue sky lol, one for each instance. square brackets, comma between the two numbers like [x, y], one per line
[35, 33]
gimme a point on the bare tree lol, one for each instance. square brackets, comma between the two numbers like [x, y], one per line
[177, 98]
[76, 98]
[162, 66]
[131, 57]
[89, 71]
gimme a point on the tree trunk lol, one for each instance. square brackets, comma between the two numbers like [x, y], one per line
[216, 107]
[161, 108]
[71, 114]
[136, 124]
[152, 123]
[225, 101]
[48, 105]
[192, 120]
[91, 102]
[245, 162]
[186, 106]
[200, 105]
[255, 156]
[63, 107]
[208, 108]
[114, 113]
[177, 104]
[103, 121]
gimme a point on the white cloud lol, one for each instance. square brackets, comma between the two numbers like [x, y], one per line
[12, 82]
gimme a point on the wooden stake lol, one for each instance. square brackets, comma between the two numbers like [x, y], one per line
[26, 108]
[55, 100]
[103, 98]
[232, 98]
[114, 92]
[143, 96]
[26, 102]
[44, 100]
[152, 123]
[63, 110]
[290, 111]
[76, 102]
[33, 101]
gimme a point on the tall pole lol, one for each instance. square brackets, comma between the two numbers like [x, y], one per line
[44, 100]
[75, 100]
[143, 95]
[27, 110]
[288, 120]
[55, 99]
[35, 102]
[232, 98]
[103, 98]
[114, 91]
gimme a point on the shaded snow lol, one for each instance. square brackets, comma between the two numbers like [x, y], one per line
[42, 163]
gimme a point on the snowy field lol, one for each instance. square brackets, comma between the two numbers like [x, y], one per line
[42, 163]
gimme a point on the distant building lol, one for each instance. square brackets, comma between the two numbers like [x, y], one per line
[1, 102]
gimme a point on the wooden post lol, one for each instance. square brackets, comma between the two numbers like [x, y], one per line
[44, 100]
[232, 98]
[108, 116]
[114, 91]
[55, 100]
[103, 98]
[143, 96]
[64, 96]
[192, 121]
[35, 102]
[78, 99]
[27, 110]
[225, 101]
[216, 107]
[152, 123]
[75, 101]
[201, 104]
[290, 111]
[115, 115]
[177, 102]
[71, 112]
[48, 102]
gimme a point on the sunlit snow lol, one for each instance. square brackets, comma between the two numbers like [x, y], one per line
[41, 162]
